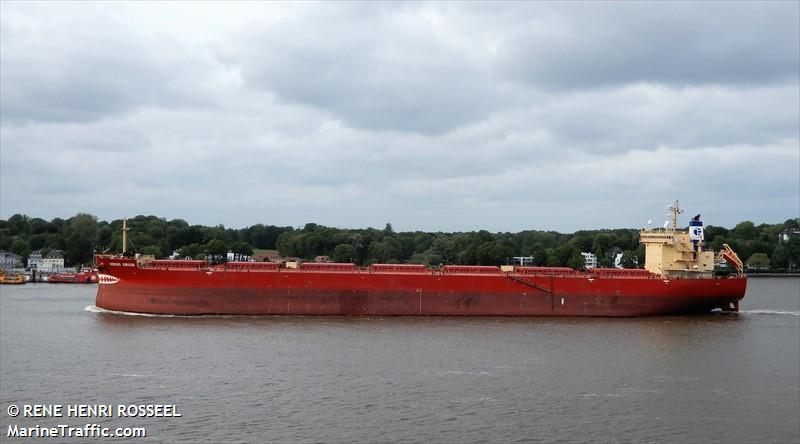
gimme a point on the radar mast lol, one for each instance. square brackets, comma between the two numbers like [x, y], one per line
[674, 211]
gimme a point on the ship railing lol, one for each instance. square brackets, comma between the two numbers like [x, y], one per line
[397, 268]
[329, 266]
[169, 264]
[543, 270]
[470, 269]
[621, 272]
[252, 266]
[595, 273]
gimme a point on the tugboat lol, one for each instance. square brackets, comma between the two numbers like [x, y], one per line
[678, 278]
[85, 276]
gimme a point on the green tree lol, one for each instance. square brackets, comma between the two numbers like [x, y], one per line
[758, 261]
[494, 253]
[787, 254]
[152, 250]
[84, 225]
[265, 236]
[553, 261]
[582, 241]
[189, 235]
[37, 241]
[241, 250]
[216, 249]
[394, 250]
[39, 226]
[313, 244]
[422, 242]
[427, 257]
[20, 247]
[18, 224]
[288, 245]
[104, 235]
[218, 232]
[344, 253]
[744, 230]
[565, 254]
[576, 261]
[629, 259]
[55, 241]
[443, 247]
[377, 252]
[193, 251]
[78, 250]
[5, 241]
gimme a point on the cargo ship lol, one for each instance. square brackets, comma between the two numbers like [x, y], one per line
[678, 277]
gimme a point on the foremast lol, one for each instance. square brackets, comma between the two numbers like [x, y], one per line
[125, 230]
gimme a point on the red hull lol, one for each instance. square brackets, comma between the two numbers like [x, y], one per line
[271, 291]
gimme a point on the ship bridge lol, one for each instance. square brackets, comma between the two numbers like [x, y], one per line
[670, 252]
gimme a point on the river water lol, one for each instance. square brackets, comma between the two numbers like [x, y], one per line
[712, 378]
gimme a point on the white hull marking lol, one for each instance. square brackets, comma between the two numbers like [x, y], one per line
[107, 279]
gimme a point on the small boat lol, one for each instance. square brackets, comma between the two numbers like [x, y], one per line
[11, 279]
[85, 276]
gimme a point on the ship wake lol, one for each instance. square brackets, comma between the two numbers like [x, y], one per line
[96, 309]
[771, 312]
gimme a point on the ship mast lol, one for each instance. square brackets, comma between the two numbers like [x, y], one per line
[674, 211]
[125, 235]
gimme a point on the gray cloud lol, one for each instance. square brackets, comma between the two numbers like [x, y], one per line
[395, 67]
[83, 62]
[430, 70]
[431, 116]
[580, 45]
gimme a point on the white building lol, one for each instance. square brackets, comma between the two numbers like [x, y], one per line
[523, 260]
[787, 234]
[10, 260]
[52, 261]
[35, 260]
[618, 260]
[590, 259]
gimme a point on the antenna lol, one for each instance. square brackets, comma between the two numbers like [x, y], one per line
[674, 211]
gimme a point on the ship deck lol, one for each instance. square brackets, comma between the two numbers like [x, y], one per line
[405, 269]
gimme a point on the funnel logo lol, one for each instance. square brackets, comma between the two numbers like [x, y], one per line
[107, 279]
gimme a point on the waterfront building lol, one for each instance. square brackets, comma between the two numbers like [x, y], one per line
[590, 259]
[52, 261]
[35, 260]
[10, 260]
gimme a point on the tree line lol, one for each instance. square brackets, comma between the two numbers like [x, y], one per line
[82, 235]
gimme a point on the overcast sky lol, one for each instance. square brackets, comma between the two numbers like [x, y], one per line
[431, 116]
